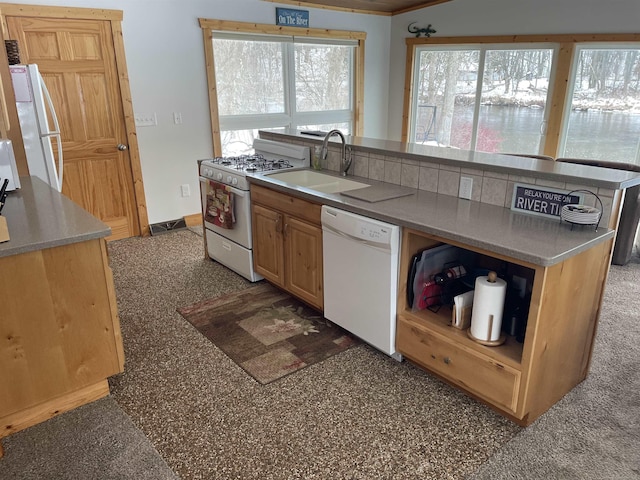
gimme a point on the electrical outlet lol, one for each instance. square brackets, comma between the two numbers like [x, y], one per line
[185, 190]
[177, 118]
[146, 120]
[466, 187]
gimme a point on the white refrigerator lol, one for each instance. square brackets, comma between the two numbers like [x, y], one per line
[33, 102]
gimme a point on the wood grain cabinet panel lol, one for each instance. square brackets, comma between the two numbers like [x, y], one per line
[480, 374]
[268, 244]
[59, 331]
[287, 243]
[303, 251]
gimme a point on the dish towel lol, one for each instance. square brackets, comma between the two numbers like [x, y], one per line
[219, 205]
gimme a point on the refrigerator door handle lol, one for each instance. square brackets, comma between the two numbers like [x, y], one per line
[53, 133]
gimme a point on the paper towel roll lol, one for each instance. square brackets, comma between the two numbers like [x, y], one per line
[488, 305]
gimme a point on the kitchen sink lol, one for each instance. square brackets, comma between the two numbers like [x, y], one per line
[320, 182]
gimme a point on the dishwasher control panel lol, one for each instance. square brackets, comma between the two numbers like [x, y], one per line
[369, 231]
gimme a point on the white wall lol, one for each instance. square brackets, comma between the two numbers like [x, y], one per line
[165, 59]
[503, 17]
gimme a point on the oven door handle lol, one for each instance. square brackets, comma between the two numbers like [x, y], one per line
[235, 191]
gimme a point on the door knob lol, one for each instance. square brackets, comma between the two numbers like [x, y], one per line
[122, 147]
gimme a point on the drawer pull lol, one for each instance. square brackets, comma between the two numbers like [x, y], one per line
[447, 360]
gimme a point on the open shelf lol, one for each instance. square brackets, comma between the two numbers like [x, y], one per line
[509, 353]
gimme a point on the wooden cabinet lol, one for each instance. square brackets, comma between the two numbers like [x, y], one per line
[520, 380]
[287, 243]
[59, 332]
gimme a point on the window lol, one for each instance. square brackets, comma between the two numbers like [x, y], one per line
[487, 98]
[276, 80]
[557, 95]
[602, 121]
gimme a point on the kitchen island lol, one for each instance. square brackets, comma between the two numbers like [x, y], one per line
[564, 268]
[59, 330]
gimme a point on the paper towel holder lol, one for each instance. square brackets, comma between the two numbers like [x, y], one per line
[488, 343]
[491, 277]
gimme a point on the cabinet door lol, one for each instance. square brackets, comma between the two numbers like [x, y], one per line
[303, 260]
[268, 245]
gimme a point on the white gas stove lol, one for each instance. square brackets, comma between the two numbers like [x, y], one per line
[226, 200]
[268, 156]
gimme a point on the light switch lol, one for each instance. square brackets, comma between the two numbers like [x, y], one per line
[177, 118]
[146, 120]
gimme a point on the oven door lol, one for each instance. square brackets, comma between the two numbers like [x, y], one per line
[240, 231]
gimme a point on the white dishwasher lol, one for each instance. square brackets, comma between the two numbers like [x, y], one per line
[360, 264]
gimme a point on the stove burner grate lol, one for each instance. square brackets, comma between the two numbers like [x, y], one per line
[251, 163]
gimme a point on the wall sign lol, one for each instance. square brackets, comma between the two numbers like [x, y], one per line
[292, 18]
[544, 201]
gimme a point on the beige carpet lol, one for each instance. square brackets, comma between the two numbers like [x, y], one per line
[357, 415]
[95, 441]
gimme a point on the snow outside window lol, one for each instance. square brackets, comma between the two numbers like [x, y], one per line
[489, 98]
[602, 118]
[270, 81]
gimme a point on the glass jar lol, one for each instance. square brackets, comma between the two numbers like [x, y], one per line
[316, 157]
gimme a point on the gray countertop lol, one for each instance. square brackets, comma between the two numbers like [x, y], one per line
[39, 217]
[529, 238]
[513, 165]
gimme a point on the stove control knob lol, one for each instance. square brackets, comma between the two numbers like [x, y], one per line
[234, 181]
[219, 176]
[229, 179]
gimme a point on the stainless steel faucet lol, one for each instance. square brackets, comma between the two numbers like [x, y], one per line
[345, 162]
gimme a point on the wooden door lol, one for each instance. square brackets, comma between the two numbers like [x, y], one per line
[303, 260]
[76, 58]
[268, 249]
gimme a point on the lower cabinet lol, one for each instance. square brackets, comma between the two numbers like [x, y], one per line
[60, 332]
[520, 379]
[287, 243]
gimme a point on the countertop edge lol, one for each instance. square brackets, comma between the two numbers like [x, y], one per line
[372, 210]
[33, 247]
[39, 218]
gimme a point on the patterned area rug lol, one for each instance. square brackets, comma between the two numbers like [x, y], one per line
[267, 332]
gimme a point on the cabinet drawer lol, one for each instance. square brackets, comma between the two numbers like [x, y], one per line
[287, 204]
[479, 374]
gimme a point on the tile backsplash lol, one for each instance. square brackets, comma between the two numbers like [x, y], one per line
[488, 187]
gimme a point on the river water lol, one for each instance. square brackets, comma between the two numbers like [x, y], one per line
[599, 135]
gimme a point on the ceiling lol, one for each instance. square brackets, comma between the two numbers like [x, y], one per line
[376, 7]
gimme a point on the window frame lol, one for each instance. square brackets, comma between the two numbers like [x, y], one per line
[560, 76]
[208, 26]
